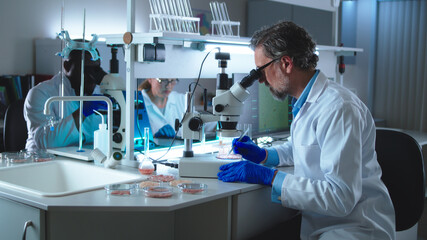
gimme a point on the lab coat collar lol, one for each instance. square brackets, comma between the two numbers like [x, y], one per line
[150, 105]
[148, 102]
[298, 103]
[315, 92]
[318, 87]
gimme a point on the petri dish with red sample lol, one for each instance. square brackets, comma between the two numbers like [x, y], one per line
[192, 188]
[158, 192]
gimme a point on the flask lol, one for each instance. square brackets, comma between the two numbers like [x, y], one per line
[100, 137]
[146, 167]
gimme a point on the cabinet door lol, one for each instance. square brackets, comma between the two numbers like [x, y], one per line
[13, 216]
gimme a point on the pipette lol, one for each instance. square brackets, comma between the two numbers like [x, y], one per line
[240, 138]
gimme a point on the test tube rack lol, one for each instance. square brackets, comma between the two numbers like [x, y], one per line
[173, 16]
[221, 24]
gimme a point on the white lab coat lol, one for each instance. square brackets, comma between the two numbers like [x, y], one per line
[336, 181]
[65, 132]
[175, 108]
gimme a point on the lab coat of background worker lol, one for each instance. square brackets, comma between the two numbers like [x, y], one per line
[337, 180]
[66, 130]
[163, 105]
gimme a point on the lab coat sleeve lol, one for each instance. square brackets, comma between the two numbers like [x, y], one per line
[276, 188]
[285, 154]
[335, 193]
[65, 133]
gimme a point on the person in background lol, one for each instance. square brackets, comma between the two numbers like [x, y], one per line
[66, 130]
[337, 179]
[163, 105]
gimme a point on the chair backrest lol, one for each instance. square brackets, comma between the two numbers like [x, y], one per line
[401, 161]
[15, 128]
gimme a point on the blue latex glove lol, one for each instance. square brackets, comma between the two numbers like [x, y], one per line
[246, 171]
[89, 106]
[166, 131]
[249, 150]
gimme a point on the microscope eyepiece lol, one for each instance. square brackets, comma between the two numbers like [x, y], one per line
[250, 79]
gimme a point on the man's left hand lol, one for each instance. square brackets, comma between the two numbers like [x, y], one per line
[246, 171]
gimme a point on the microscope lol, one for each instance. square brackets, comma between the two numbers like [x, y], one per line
[113, 85]
[227, 108]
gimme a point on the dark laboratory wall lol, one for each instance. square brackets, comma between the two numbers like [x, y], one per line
[318, 23]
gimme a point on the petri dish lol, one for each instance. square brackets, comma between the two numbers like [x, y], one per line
[175, 183]
[192, 188]
[120, 189]
[161, 178]
[158, 192]
[17, 157]
[5, 154]
[43, 157]
[144, 184]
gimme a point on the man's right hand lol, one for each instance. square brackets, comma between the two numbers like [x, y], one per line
[249, 150]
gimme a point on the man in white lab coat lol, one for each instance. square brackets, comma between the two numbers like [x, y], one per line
[65, 131]
[337, 180]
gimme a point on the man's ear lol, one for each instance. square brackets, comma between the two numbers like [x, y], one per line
[287, 63]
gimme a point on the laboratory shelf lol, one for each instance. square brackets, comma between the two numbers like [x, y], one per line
[174, 39]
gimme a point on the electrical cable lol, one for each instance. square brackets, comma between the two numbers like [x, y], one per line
[191, 98]
[189, 86]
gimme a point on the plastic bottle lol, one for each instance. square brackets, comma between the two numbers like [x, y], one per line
[100, 138]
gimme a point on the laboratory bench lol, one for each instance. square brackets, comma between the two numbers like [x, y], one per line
[224, 211]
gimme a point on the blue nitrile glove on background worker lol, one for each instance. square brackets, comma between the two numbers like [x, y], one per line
[166, 131]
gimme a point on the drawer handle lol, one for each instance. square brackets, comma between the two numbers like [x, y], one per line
[26, 225]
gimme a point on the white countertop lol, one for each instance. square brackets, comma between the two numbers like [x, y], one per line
[98, 200]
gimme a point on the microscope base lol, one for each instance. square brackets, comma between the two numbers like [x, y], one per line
[72, 152]
[201, 165]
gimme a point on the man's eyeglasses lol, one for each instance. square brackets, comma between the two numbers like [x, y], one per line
[165, 82]
[259, 69]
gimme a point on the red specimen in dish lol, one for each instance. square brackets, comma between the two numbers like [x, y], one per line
[146, 171]
[189, 190]
[42, 159]
[120, 192]
[158, 192]
[161, 178]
